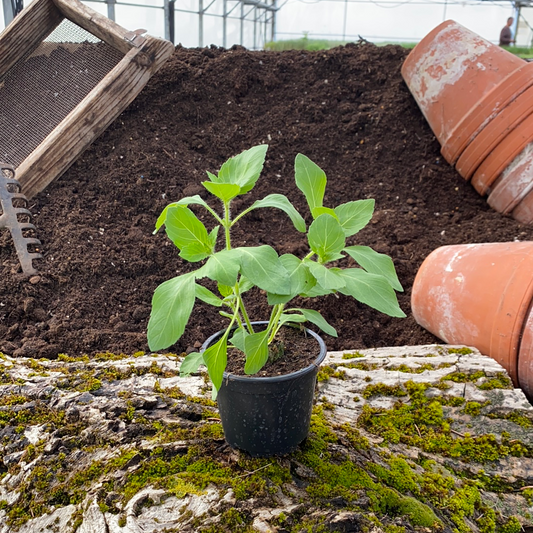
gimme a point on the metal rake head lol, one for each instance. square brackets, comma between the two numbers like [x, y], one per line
[15, 216]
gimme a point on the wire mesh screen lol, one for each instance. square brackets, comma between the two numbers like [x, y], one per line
[44, 87]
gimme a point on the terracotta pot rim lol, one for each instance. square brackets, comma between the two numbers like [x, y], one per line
[470, 126]
[500, 158]
[509, 190]
[495, 132]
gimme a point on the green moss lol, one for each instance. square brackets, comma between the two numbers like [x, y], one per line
[362, 365]
[418, 369]
[14, 399]
[67, 359]
[460, 351]
[516, 417]
[354, 355]
[462, 377]
[511, 526]
[472, 408]
[384, 390]
[38, 413]
[326, 372]
[501, 381]
[419, 514]
[422, 423]
[357, 441]
[399, 475]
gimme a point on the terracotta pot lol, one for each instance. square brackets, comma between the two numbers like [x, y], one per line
[494, 132]
[450, 72]
[523, 212]
[525, 358]
[512, 86]
[503, 155]
[514, 185]
[477, 295]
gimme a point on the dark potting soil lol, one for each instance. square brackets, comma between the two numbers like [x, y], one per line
[291, 350]
[347, 109]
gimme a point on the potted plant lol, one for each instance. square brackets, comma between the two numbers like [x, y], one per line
[265, 415]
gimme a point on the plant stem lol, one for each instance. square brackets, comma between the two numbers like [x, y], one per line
[274, 321]
[227, 225]
[240, 305]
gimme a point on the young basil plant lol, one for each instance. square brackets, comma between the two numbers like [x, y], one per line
[238, 269]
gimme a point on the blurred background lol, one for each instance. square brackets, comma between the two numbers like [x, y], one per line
[256, 24]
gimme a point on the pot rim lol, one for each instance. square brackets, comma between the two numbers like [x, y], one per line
[274, 379]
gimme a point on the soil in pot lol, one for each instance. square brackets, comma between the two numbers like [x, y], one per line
[291, 351]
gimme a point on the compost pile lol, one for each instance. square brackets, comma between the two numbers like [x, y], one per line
[347, 109]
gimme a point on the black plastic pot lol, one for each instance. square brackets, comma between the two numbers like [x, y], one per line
[268, 416]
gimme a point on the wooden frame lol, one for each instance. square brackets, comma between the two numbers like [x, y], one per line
[143, 56]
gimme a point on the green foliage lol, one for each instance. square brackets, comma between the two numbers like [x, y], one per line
[235, 270]
[304, 43]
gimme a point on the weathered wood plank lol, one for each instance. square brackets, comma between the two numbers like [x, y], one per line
[95, 23]
[27, 31]
[92, 116]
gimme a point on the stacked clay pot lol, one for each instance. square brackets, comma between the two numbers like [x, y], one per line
[481, 295]
[478, 100]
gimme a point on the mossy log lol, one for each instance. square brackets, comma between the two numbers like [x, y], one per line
[424, 438]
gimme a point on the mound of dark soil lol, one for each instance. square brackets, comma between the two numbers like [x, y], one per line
[347, 109]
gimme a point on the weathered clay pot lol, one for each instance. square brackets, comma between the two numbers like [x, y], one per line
[503, 155]
[478, 295]
[513, 186]
[525, 358]
[518, 111]
[461, 82]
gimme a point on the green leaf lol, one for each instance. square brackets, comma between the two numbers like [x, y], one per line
[216, 358]
[224, 191]
[172, 305]
[261, 265]
[238, 339]
[243, 169]
[188, 233]
[191, 363]
[317, 211]
[327, 278]
[372, 290]
[245, 285]
[222, 266]
[225, 290]
[188, 200]
[301, 279]
[212, 238]
[354, 216]
[326, 238]
[317, 319]
[375, 263]
[315, 291]
[256, 350]
[207, 296]
[282, 202]
[291, 318]
[311, 180]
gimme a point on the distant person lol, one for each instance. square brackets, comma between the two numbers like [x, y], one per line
[506, 36]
